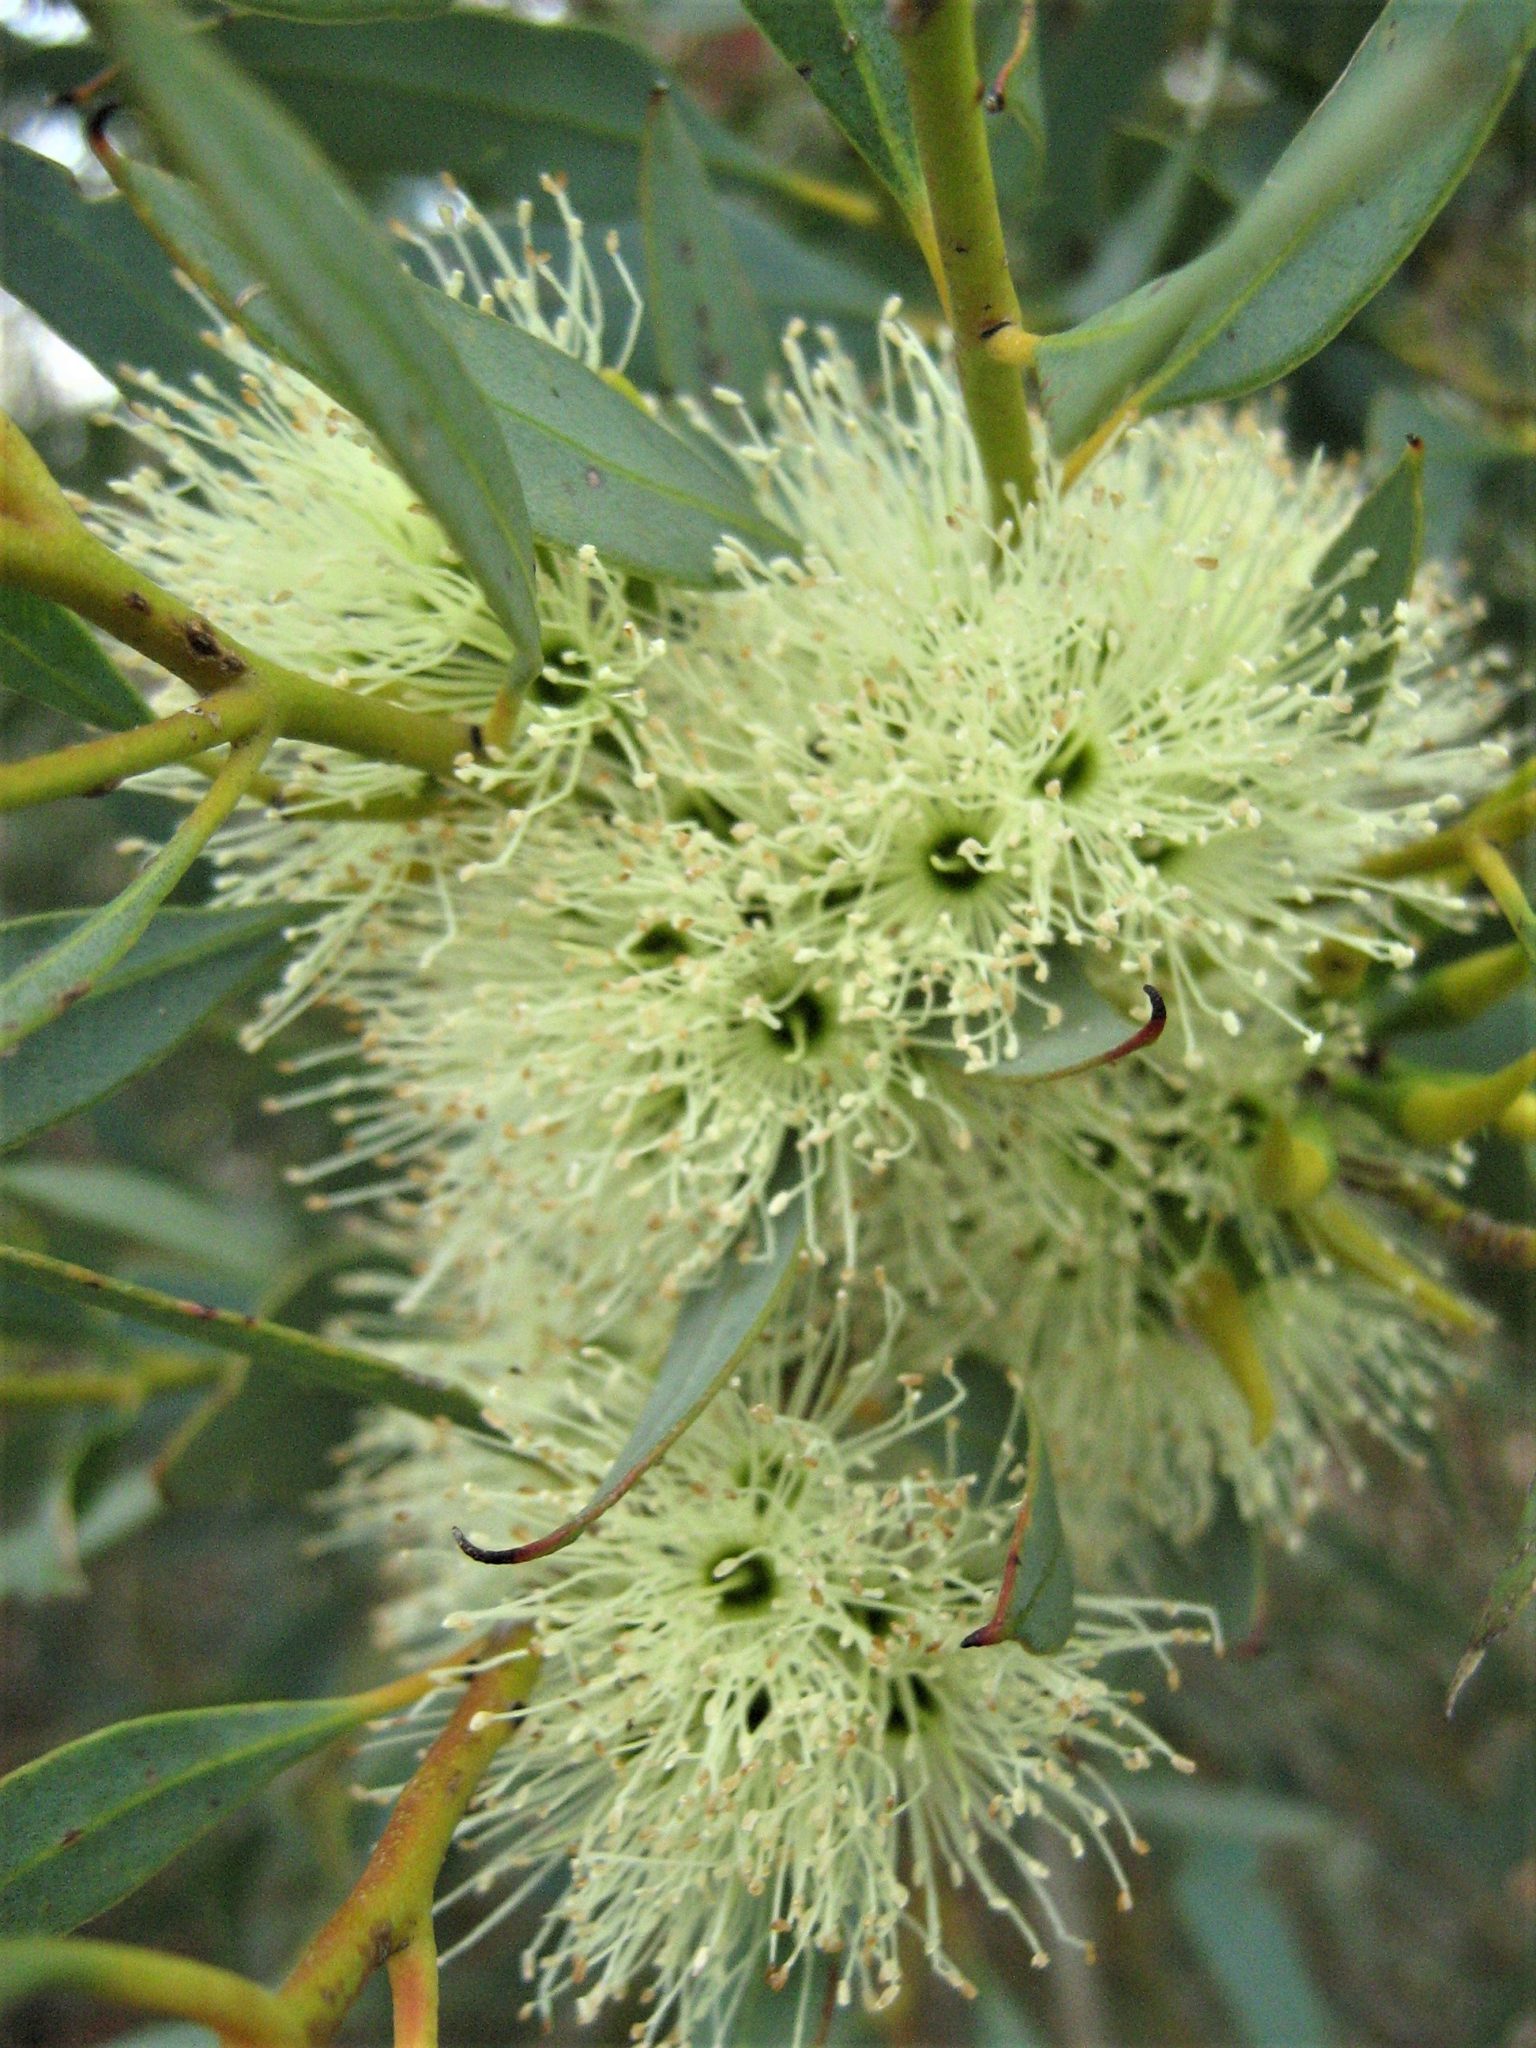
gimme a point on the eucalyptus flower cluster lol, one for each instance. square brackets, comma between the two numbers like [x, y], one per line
[842, 863]
[755, 1749]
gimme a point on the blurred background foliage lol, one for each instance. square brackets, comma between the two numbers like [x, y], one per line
[1349, 1866]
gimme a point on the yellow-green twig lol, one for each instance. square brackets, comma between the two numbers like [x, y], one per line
[46, 549]
[241, 2013]
[938, 45]
[129, 1389]
[1503, 885]
[389, 1910]
[1499, 818]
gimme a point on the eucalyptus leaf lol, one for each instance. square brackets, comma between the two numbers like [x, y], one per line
[1223, 1568]
[496, 102]
[1340, 211]
[151, 1211]
[847, 55]
[47, 655]
[596, 466]
[87, 1824]
[1070, 1029]
[93, 273]
[1510, 1592]
[715, 1325]
[41, 1553]
[1037, 1600]
[138, 1012]
[1091, 78]
[362, 1376]
[333, 274]
[51, 983]
[1246, 1941]
[331, 12]
[1389, 523]
[707, 326]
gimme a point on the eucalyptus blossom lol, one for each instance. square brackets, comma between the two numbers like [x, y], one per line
[759, 1751]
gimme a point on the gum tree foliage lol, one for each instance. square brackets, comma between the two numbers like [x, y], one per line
[1316, 207]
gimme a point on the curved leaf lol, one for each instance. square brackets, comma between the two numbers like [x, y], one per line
[1512, 1589]
[184, 964]
[51, 983]
[47, 655]
[596, 467]
[716, 1323]
[845, 52]
[1037, 1600]
[91, 271]
[1072, 1030]
[362, 1376]
[707, 326]
[1390, 523]
[172, 1218]
[1342, 208]
[87, 1824]
[497, 103]
[332, 273]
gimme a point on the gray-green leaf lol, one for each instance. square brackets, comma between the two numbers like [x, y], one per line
[335, 277]
[847, 55]
[1390, 524]
[89, 269]
[596, 467]
[47, 655]
[1076, 1030]
[1512, 1588]
[716, 1323]
[87, 1824]
[184, 964]
[362, 1376]
[1037, 1600]
[50, 983]
[1342, 208]
[707, 325]
[494, 101]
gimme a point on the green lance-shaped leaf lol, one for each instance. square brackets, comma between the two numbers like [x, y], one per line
[183, 965]
[47, 655]
[91, 271]
[330, 12]
[1340, 211]
[1223, 1568]
[1512, 1588]
[362, 1376]
[716, 1323]
[334, 275]
[1071, 1030]
[1389, 526]
[1245, 1939]
[847, 55]
[1037, 1600]
[497, 103]
[706, 322]
[178, 1220]
[596, 467]
[50, 983]
[87, 1824]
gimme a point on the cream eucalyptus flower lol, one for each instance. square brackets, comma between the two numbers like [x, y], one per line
[756, 1740]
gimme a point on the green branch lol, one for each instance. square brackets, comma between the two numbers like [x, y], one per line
[46, 549]
[388, 1912]
[128, 1390]
[1503, 885]
[241, 2013]
[937, 39]
[386, 1919]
